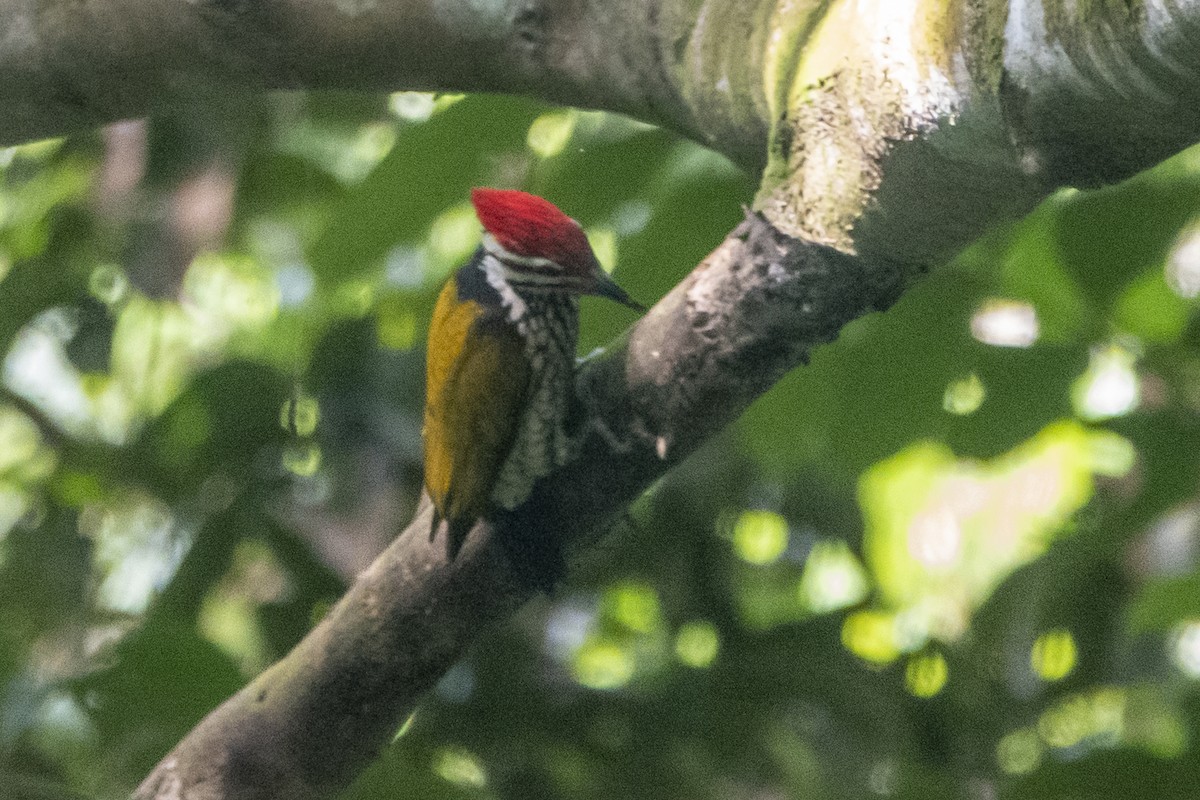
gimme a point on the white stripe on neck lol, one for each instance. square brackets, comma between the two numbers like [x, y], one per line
[497, 276]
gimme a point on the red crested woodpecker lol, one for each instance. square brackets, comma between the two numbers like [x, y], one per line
[501, 358]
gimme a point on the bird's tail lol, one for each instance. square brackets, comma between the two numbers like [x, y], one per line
[456, 532]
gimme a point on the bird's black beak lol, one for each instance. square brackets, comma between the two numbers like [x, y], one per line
[607, 287]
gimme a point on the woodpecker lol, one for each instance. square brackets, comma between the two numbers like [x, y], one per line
[501, 358]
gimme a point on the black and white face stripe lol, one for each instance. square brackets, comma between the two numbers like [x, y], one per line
[533, 263]
[532, 272]
[522, 302]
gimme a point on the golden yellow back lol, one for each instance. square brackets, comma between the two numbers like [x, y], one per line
[476, 384]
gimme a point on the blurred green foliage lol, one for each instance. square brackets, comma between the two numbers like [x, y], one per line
[956, 556]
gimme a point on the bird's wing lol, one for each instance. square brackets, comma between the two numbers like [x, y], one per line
[477, 381]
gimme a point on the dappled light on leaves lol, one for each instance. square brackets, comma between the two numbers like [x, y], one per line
[302, 458]
[460, 767]
[635, 606]
[396, 325]
[760, 537]
[23, 456]
[631, 218]
[154, 347]
[1110, 387]
[872, 636]
[1104, 718]
[1149, 312]
[602, 664]
[299, 414]
[1113, 456]
[833, 578]
[566, 628]
[697, 644]
[412, 106]
[1054, 655]
[1095, 719]
[137, 545]
[405, 266]
[349, 157]
[965, 395]
[108, 284]
[926, 674]
[943, 532]
[550, 133]
[13, 506]
[606, 645]
[604, 245]
[1183, 264]
[1020, 752]
[454, 234]
[355, 298]
[1186, 650]
[404, 728]
[228, 293]
[228, 615]
[37, 366]
[1005, 323]
[295, 282]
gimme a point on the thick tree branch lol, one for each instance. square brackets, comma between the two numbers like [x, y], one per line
[65, 66]
[305, 727]
[905, 131]
[898, 129]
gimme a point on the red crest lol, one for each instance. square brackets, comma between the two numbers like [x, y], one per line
[527, 225]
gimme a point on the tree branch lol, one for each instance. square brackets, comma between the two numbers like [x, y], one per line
[891, 128]
[905, 132]
[303, 729]
[67, 66]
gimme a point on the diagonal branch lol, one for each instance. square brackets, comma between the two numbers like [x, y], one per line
[305, 727]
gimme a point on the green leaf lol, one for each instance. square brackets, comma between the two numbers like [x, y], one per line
[432, 166]
[225, 422]
[163, 680]
[1149, 309]
[57, 277]
[1025, 390]
[1105, 237]
[1163, 604]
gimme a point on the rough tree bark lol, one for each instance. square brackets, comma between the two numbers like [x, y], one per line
[888, 133]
